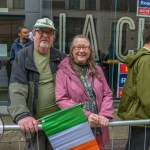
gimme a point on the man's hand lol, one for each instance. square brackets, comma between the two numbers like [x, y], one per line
[28, 124]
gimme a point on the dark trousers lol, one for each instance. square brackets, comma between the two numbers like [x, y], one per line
[138, 138]
[42, 142]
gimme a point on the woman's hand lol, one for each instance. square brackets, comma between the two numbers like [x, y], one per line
[98, 121]
[103, 121]
[93, 120]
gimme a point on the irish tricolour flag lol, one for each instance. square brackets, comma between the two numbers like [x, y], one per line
[68, 129]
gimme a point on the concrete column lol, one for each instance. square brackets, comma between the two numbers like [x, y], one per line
[67, 4]
[82, 4]
[32, 11]
[97, 4]
[9, 3]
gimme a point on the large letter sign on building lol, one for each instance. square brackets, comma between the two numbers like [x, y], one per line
[122, 75]
[143, 8]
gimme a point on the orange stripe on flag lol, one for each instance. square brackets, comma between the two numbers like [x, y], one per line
[91, 145]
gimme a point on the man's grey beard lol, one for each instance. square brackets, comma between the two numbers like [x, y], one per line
[44, 45]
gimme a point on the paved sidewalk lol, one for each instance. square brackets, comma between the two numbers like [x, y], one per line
[11, 140]
[118, 135]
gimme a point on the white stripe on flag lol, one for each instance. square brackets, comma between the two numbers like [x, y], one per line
[72, 137]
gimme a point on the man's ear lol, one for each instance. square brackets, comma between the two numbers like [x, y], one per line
[19, 34]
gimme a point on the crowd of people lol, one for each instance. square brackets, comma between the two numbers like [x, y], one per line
[44, 80]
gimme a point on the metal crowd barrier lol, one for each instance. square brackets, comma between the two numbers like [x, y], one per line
[111, 146]
[111, 124]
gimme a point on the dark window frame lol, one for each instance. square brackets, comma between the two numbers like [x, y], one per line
[19, 4]
[74, 4]
[58, 4]
[90, 4]
[124, 6]
[3, 3]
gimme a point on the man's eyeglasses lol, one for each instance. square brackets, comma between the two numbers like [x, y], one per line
[77, 48]
[42, 32]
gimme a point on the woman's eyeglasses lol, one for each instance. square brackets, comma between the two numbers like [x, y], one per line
[85, 48]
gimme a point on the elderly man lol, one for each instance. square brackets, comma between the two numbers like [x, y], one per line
[22, 41]
[32, 85]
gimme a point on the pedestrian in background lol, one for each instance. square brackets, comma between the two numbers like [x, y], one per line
[135, 100]
[80, 80]
[32, 84]
[22, 41]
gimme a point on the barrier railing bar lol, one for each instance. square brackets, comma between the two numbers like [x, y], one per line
[129, 122]
[111, 124]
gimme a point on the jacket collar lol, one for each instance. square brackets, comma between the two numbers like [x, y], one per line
[29, 61]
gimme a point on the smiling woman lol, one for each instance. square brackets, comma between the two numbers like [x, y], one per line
[81, 50]
[80, 80]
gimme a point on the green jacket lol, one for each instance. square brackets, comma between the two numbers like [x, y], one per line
[23, 88]
[135, 100]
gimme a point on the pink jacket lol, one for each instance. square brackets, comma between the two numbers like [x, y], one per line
[69, 91]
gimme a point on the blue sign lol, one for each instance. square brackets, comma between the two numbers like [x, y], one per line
[122, 79]
[144, 3]
[143, 8]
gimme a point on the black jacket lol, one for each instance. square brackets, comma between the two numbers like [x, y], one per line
[23, 88]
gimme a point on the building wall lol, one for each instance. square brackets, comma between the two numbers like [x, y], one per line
[32, 12]
[104, 23]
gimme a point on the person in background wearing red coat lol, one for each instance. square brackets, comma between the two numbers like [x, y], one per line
[80, 80]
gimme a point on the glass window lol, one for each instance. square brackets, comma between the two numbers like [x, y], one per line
[90, 4]
[18, 4]
[74, 4]
[117, 29]
[132, 6]
[8, 33]
[110, 36]
[58, 4]
[104, 5]
[46, 4]
[4, 80]
[126, 5]
[118, 5]
[74, 26]
[3, 3]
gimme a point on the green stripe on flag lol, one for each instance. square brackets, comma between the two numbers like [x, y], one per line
[62, 119]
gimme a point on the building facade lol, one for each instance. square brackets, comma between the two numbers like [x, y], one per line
[113, 26]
